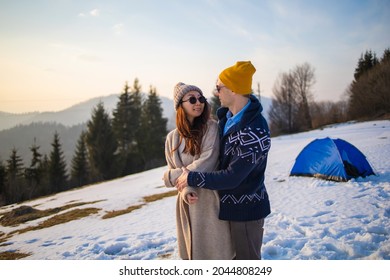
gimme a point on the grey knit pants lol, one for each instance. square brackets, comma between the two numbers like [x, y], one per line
[247, 239]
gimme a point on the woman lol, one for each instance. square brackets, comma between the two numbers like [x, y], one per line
[194, 144]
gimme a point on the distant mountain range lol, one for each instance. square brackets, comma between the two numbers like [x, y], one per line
[21, 130]
[74, 115]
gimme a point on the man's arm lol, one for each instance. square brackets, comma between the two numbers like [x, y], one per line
[244, 159]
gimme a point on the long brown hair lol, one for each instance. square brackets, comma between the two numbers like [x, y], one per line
[192, 134]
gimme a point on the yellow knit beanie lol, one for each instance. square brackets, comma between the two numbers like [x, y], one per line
[238, 77]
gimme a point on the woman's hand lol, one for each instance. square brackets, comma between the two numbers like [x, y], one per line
[192, 198]
[181, 182]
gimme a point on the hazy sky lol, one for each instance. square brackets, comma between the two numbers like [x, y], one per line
[56, 53]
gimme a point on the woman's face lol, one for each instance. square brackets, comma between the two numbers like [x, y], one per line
[192, 110]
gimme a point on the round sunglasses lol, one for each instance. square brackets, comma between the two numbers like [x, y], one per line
[218, 88]
[193, 99]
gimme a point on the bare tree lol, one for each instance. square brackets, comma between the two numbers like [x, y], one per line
[284, 105]
[290, 110]
[328, 112]
[304, 79]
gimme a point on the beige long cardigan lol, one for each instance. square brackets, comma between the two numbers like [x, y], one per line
[200, 234]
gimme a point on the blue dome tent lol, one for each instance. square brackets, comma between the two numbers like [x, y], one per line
[331, 159]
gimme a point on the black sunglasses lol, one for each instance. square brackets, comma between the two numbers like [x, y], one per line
[193, 99]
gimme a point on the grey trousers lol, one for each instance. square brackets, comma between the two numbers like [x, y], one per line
[247, 238]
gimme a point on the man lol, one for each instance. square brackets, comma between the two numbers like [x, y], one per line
[245, 142]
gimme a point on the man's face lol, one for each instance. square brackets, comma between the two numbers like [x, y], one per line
[224, 94]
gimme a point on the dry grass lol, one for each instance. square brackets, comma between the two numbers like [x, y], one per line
[159, 196]
[115, 213]
[147, 199]
[24, 214]
[13, 255]
[3, 238]
[72, 215]
[164, 256]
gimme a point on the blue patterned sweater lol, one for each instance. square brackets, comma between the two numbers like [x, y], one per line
[243, 160]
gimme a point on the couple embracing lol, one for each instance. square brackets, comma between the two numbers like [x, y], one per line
[218, 169]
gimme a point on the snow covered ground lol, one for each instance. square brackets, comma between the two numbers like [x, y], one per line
[311, 219]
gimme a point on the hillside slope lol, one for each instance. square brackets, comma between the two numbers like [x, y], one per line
[310, 219]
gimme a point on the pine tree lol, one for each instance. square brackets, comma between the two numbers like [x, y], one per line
[123, 130]
[215, 103]
[386, 56]
[151, 137]
[80, 165]
[58, 178]
[2, 182]
[121, 119]
[134, 120]
[15, 179]
[135, 114]
[365, 63]
[44, 167]
[101, 145]
[369, 92]
[126, 124]
[33, 172]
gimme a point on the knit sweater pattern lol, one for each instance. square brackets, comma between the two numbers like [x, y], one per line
[242, 163]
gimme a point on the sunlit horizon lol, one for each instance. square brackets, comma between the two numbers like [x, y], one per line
[55, 54]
